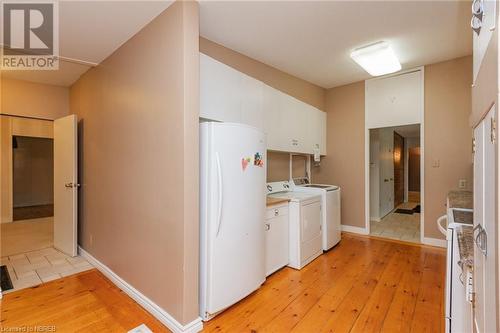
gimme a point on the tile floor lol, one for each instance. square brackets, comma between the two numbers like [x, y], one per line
[36, 267]
[398, 226]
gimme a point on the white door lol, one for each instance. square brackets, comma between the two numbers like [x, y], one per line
[276, 239]
[65, 185]
[310, 235]
[386, 165]
[484, 218]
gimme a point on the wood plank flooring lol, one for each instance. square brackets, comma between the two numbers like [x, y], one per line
[86, 302]
[362, 285]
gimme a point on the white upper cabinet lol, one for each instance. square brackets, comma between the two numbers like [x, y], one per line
[317, 130]
[483, 23]
[220, 91]
[395, 100]
[252, 102]
[231, 96]
[275, 119]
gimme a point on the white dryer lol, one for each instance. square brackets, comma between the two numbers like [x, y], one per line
[330, 199]
[305, 229]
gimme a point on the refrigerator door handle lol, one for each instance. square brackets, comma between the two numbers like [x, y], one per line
[219, 188]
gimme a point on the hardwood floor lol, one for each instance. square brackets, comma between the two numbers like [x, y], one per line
[86, 302]
[362, 285]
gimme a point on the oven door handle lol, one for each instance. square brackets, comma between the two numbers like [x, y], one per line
[439, 223]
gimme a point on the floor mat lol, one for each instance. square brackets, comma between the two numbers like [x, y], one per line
[33, 212]
[404, 211]
[417, 209]
[5, 281]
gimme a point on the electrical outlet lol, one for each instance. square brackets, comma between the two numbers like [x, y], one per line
[435, 163]
[462, 184]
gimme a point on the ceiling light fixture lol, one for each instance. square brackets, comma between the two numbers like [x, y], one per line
[377, 59]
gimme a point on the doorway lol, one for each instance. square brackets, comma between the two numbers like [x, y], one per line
[38, 201]
[395, 183]
[33, 178]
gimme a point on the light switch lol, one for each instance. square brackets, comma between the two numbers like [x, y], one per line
[435, 164]
[462, 184]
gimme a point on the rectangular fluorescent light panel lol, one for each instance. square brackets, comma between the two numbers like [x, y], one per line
[377, 59]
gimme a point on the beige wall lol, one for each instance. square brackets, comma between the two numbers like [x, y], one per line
[29, 99]
[344, 162]
[138, 130]
[278, 166]
[448, 136]
[447, 139]
[302, 90]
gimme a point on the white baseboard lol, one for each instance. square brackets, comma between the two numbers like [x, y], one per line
[434, 242]
[376, 219]
[160, 314]
[355, 230]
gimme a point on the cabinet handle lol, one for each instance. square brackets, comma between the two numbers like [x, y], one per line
[268, 226]
[276, 212]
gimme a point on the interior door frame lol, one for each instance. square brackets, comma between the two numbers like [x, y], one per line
[18, 126]
[366, 229]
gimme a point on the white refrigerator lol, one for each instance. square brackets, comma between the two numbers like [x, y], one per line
[232, 207]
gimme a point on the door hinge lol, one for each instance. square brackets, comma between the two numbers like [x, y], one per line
[493, 128]
[473, 145]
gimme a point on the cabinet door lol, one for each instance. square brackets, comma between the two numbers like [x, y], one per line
[252, 100]
[481, 41]
[296, 115]
[220, 91]
[316, 131]
[484, 216]
[275, 122]
[322, 130]
[276, 243]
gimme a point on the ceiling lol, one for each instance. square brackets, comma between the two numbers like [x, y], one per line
[309, 39]
[89, 31]
[313, 39]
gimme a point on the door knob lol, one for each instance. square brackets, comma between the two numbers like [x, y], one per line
[71, 185]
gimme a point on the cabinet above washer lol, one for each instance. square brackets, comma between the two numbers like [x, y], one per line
[228, 95]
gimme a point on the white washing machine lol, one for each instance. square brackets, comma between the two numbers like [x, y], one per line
[305, 223]
[330, 199]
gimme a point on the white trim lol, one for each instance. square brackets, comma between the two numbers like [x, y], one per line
[354, 230]
[434, 241]
[155, 310]
[422, 159]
